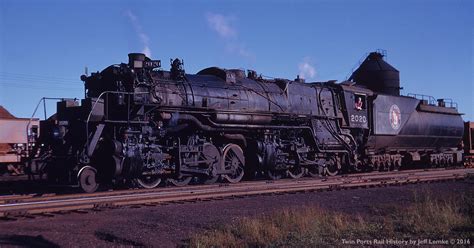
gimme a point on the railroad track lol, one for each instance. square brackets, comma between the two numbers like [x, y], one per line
[14, 206]
[46, 195]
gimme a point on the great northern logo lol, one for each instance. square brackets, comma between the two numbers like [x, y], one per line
[395, 117]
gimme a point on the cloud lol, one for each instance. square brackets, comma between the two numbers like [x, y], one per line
[145, 40]
[221, 24]
[306, 70]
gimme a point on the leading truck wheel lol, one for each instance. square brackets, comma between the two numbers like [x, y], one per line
[87, 179]
[234, 160]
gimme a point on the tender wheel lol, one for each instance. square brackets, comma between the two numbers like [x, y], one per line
[296, 172]
[87, 179]
[179, 182]
[233, 159]
[148, 181]
[450, 162]
[396, 165]
[376, 166]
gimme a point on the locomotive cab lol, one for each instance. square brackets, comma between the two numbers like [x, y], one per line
[356, 103]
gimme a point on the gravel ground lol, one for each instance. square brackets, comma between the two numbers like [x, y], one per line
[169, 225]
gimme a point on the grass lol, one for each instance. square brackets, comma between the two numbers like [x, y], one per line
[426, 218]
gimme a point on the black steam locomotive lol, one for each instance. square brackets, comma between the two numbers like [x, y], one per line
[141, 124]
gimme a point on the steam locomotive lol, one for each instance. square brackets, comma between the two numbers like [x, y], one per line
[139, 123]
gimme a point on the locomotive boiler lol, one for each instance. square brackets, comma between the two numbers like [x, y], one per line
[139, 123]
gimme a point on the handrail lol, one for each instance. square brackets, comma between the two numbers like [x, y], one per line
[450, 102]
[435, 102]
[431, 100]
[43, 99]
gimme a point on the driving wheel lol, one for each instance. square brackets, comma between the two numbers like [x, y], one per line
[234, 160]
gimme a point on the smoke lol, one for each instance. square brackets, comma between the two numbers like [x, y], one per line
[222, 25]
[147, 51]
[240, 50]
[144, 39]
[306, 70]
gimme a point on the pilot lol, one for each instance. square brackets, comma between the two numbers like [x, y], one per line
[358, 103]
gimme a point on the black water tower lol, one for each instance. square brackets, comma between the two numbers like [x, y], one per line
[377, 75]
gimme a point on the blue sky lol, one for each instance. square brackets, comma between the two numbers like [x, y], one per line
[45, 45]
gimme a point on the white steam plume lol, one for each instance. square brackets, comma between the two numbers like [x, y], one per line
[306, 70]
[141, 34]
[221, 24]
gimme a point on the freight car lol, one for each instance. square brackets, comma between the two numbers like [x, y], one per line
[468, 144]
[15, 135]
[139, 123]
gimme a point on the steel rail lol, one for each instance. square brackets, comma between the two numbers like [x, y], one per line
[57, 204]
[46, 196]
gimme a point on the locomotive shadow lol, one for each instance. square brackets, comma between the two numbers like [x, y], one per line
[108, 237]
[25, 241]
[23, 186]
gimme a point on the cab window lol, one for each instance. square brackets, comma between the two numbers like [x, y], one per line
[359, 102]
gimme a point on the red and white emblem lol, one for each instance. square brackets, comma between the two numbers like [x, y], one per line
[395, 117]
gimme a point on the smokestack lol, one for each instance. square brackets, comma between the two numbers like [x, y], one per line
[135, 60]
